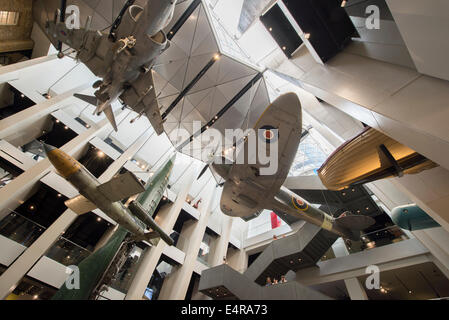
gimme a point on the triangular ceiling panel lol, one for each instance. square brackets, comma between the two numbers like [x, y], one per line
[231, 70]
[173, 53]
[195, 65]
[184, 37]
[259, 104]
[172, 72]
[165, 102]
[205, 105]
[193, 46]
[204, 40]
[197, 97]
[231, 88]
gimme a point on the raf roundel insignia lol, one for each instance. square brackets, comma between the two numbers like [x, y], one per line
[63, 33]
[299, 204]
[268, 133]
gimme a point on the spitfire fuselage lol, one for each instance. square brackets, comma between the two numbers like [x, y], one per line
[287, 202]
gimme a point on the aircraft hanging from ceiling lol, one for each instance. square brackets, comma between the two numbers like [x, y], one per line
[368, 157]
[122, 58]
[107, 196]
[247, 192]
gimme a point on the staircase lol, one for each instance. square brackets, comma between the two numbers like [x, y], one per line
[224, 283]
[300, 250]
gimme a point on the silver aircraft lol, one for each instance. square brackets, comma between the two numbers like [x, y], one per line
[247, 192]
[122, 58]
[107, 196]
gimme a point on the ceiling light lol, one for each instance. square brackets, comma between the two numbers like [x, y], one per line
[100, 154]
[343, 3]
[66, 128]
[22, 96]
[98, 219]
[284, 48]
[59, 195]
[35, 296]
[57, 121]
[32, 207]
[271, 29]
[307, 35]
[217, 57]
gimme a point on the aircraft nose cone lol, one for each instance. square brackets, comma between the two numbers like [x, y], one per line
[48, 148]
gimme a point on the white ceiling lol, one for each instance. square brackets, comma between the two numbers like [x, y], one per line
[424, 26]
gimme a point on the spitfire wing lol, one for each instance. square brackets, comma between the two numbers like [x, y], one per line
[248, 184]
[80, 205]
[141, 98]
[121, 187]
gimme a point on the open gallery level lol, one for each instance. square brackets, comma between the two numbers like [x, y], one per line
[224, 150]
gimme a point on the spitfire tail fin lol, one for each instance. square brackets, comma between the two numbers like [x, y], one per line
[354, 222]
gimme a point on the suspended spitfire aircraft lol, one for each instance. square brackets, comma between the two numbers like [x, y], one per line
[107, 196]
[122, 58]
[247, 192]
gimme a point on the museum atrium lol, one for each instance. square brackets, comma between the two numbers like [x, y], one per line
[367, 183]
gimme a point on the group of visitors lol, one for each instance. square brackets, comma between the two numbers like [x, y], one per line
[275, 281]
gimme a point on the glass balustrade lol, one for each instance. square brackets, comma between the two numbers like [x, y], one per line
[376, 239]
[20, 229]
[25, 231]
[67, 252]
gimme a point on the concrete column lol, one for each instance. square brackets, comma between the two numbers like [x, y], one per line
[355, 289]
[176, 285]
[196, 294]
[105, 237]
[238, 259]
[436, 240]
[220, 247]
[15, 192]
[13, 71]
[18, 128]
[12, 276]
[166, 219]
